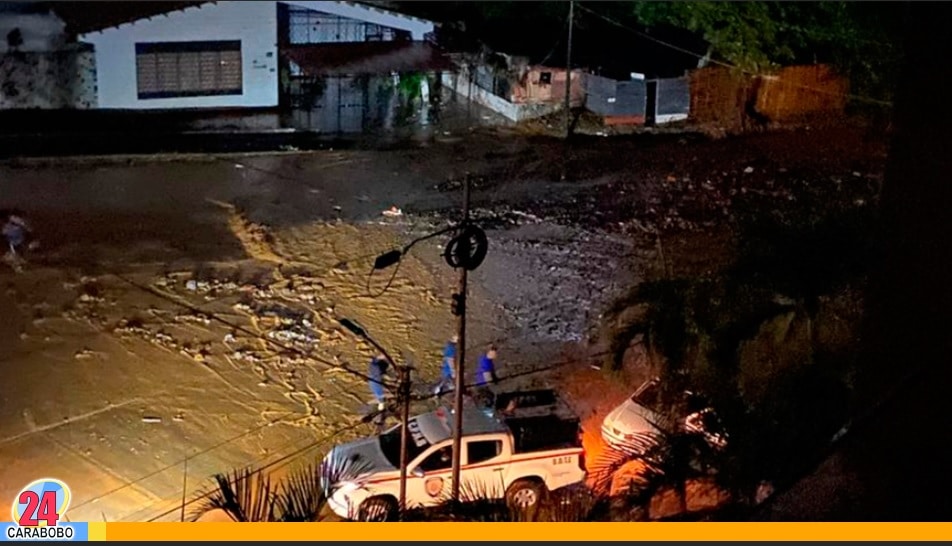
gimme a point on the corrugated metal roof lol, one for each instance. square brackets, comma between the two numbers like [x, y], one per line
[366, 58]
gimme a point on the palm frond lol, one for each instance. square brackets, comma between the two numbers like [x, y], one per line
[245, 495]
[300, 497]
[570, 504]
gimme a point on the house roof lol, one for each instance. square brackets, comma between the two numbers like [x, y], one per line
[366, 58]
[85, 17]
[370, 13]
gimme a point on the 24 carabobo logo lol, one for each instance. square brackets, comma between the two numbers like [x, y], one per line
[38, 511]
[41, 503]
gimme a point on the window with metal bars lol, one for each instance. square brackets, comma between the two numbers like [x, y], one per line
[188, 69]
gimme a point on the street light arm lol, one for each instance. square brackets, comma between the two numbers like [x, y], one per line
[358, 331]
[387, 259]
[429, 236]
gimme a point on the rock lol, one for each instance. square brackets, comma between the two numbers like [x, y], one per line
[191, 285]
[748, 170]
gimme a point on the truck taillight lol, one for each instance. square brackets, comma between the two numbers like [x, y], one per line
[581, 460]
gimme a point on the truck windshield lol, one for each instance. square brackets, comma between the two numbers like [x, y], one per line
[649, 396]
[390, 446]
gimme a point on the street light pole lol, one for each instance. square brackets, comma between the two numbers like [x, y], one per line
[403, 393]
[568, 73]
[460, 359]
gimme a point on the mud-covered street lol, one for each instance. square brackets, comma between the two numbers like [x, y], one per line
[180, 316]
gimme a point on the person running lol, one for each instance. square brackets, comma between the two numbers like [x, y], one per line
[448, 370]
[486, 376]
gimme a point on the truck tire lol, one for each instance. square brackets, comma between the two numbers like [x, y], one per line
[525, 494]
[378, 509]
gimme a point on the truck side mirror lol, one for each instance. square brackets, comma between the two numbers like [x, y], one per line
[417, 472]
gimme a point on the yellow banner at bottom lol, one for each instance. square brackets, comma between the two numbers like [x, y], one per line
[583, 532]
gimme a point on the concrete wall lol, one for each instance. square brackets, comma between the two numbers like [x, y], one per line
[48, 79]
[461, 85]
[253, 23]
[40, 31]
[531, 90]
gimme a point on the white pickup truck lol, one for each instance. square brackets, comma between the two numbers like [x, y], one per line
[529, 446]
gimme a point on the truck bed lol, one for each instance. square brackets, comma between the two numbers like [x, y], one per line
[545, 432]
[539, 420]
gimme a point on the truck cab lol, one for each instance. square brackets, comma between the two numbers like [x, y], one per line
[513, 452]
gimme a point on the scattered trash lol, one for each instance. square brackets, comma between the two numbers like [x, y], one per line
[83, 354]
[191, 285]
[393, 211]
[748, 170]
[239, 166]
[151, 419]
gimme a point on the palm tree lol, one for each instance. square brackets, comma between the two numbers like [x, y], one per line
[249, 495]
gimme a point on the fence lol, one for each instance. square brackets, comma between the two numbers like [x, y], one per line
[672, 99]
[617, 101]
[733, 100]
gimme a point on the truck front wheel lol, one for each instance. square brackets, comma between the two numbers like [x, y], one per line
[525, 494]
[378, 509]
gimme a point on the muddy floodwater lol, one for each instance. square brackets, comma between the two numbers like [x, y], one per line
[186, 308]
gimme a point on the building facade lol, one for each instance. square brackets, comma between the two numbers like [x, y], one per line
[216, 55]
[227, 54]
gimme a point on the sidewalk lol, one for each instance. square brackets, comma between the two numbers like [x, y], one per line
[49, 133]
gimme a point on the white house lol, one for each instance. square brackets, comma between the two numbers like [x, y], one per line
[225, 54]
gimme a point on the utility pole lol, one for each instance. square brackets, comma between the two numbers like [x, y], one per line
[460, 359]
[404, 432]
[568, 74]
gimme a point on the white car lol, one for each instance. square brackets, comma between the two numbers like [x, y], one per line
[632, 426]
[505, 455]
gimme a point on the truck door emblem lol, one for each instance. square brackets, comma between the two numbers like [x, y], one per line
[433, 486]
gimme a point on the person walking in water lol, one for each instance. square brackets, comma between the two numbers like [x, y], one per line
[448, 369]
[379, 367]
[17, 234]
[486, 376]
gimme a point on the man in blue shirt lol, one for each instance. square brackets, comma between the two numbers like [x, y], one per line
[379, 367]
[448, 370]
[486, 374]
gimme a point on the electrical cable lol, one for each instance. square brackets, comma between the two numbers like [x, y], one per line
[180, 462]
[277, 464]
[516, 375]
[387, 286]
